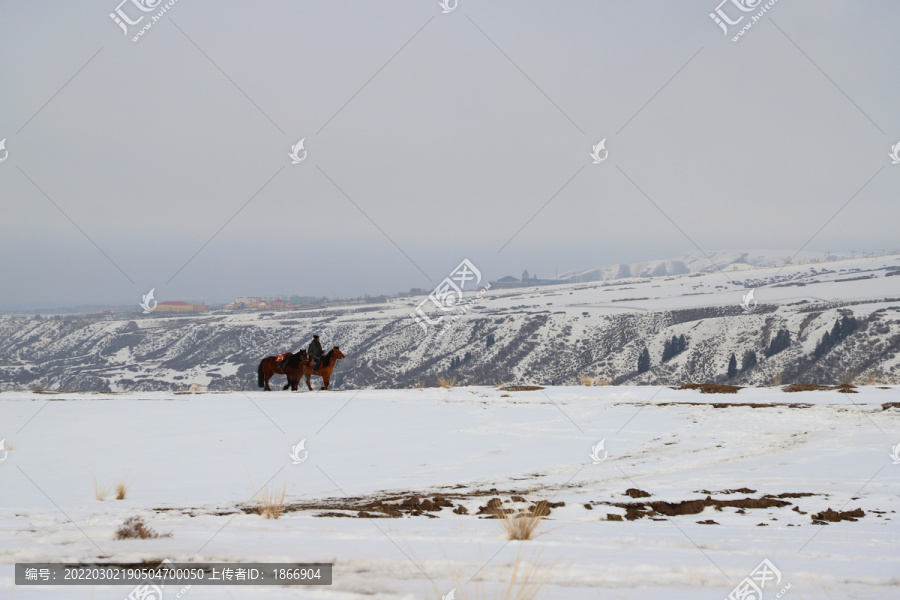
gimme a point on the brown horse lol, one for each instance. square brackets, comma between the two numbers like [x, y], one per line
[291, 366]
[325, 369]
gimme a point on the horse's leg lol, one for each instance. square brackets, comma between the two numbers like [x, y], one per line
[326, 376]
[267, 388]
[308, 384]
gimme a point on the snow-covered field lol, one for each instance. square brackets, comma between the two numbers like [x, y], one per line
[192, 461]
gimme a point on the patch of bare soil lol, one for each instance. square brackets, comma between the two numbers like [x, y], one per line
[815, 387]
[888, 405]
[710, 388]
[742, 490]
[520, 388]
[393, 506]
[637, 510]
[636, 493]
[736, 404]
[834, 516]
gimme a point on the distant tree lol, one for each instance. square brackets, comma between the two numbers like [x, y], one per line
[732, 366]
[644, 361]
[674, 347]
[749, 360]
[843, 328]
[781, 341]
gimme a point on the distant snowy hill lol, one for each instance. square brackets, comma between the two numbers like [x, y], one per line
[549, 334]
[698, 262]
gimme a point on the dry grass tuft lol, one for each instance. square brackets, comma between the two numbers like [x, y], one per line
[101, 491]
[121, 489]
[447, 382]
[778, 378]
[270, 502]
[519, 525]
[601, 381]
[134, 528]
[587, 380]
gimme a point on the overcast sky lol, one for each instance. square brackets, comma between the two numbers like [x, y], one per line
[431, 138]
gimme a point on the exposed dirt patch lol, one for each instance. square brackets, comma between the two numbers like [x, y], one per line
[888, 405]
[637, 510]
[736, 404]
[814, 387]
[710, 388]
[742, 490]
[834, 516]
[520, 388]
[707, 522]
[636, 493]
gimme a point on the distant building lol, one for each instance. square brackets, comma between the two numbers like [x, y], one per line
[527, 281]
[253, 303]
[179, 307]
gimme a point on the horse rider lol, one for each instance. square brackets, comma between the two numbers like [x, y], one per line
[315, 353]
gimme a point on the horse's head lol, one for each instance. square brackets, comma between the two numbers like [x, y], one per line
[337, 352]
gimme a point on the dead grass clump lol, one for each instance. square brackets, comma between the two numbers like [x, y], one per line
[121, 489]
[520, 388]
[520, 525]
[587, 380]
[710, 388]
[601, 381]
[447, 382]
[134, 528]
[101, 491]
[777, 379]
[270, 502]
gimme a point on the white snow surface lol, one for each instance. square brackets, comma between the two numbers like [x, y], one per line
[202, 456]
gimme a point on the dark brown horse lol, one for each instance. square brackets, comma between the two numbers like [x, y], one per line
[325, 369]
[291, 365]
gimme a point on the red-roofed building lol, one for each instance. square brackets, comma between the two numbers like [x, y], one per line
[177, 306]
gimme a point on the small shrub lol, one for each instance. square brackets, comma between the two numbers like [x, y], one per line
[134, 528]
[587, 380]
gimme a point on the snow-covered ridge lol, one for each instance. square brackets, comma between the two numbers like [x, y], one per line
[548, 334]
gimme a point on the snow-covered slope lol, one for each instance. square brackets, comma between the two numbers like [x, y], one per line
[548, 335]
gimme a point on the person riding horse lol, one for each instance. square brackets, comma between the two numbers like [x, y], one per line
[315, 353]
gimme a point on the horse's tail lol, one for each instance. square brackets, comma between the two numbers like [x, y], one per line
[260, 378]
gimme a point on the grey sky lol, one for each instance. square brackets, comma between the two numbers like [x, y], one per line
[452, 145]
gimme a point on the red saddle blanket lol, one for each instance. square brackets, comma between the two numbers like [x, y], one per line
[281, 357]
